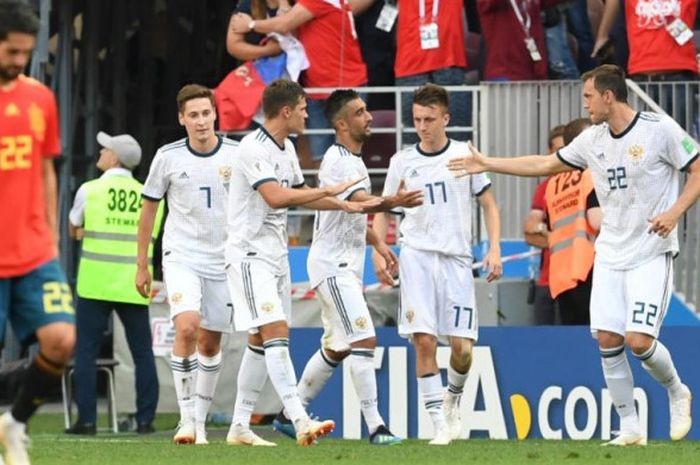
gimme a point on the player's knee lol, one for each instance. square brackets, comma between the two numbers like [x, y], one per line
[463, 360]
[424, 343]
[57, 343]
[639, 343]
[208, 348]
[187, 332]
[608, 340]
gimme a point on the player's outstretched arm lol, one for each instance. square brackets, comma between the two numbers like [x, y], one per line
[664, 223]
[384, 273]
[390, 259]
[277, 196]
[529, 165]
[149, 209]
[402, 198]
[492, 262]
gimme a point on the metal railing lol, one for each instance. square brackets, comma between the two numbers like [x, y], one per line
[514, 118]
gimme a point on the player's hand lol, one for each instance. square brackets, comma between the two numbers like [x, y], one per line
[492, 263]
[332, 191]
[391, 261]
[470, 164]
[239, 23]
[143, 282]
[663, 224]
[408, 199]
[382, 269]
[361, 207]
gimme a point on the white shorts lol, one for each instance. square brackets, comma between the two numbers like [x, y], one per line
[437, 295]
[344, 312]
[633, 300]
[260, 294]
[188, 291]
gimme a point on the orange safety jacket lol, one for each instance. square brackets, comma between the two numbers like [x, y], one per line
[571, 237]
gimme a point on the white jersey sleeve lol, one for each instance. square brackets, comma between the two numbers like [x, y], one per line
[578, 152]
[393, 178]
[157, 183]
[479, 183]
[680, 151]
[344, 169]
[298, 176]
[256, 169]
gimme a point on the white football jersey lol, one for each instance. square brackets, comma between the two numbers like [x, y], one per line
[636, 177]
[338, 245]
[256, 230]
[196, 188]
[443, 223]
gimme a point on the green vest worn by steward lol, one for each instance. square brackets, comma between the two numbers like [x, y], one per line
[108, 260]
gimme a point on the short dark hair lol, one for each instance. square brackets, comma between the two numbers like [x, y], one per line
[431, 94]
[336, 102]
[608, 77]
[17, 16]
[191, 92]
[281, 93]
[556, 131]
[574, 128]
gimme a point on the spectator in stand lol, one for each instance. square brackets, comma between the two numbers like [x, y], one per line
[579, 25]
[514, 37]
[378, 44]
[660, 37]
[252, 45]
[430, 48]
[560, 59]
[537, 233]
[327, 31]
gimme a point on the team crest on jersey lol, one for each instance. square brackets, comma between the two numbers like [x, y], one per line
[635, 152]
[410, 315]
[267, 307]
[37, 122]
[361, 322]
[176, 298]
[11, 110]
[225, 173]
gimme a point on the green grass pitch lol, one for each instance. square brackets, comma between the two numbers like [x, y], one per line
[49, 446]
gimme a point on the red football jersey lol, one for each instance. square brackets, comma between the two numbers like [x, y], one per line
[28, 134]
[331, 44]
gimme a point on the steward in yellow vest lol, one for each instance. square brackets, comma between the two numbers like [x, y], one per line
[105, 216]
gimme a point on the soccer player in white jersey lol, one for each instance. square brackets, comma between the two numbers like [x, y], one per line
[336, 263]
[635, 159]
[437, 284]
[193, 174]
[266, 179]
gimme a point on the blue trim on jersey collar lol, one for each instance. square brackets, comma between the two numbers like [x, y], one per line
[627, 129]
[347, 149]
[205, 154]
[434, 154]
[264, 131]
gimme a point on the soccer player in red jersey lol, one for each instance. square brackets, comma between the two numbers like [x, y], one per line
[34, 295]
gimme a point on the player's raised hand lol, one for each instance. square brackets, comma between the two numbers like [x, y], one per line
[472, 163]
[663, 224]
[143, 282]
[408, 199]
[492, 263]
[362, 206]
[332, 191]
[384, 269]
